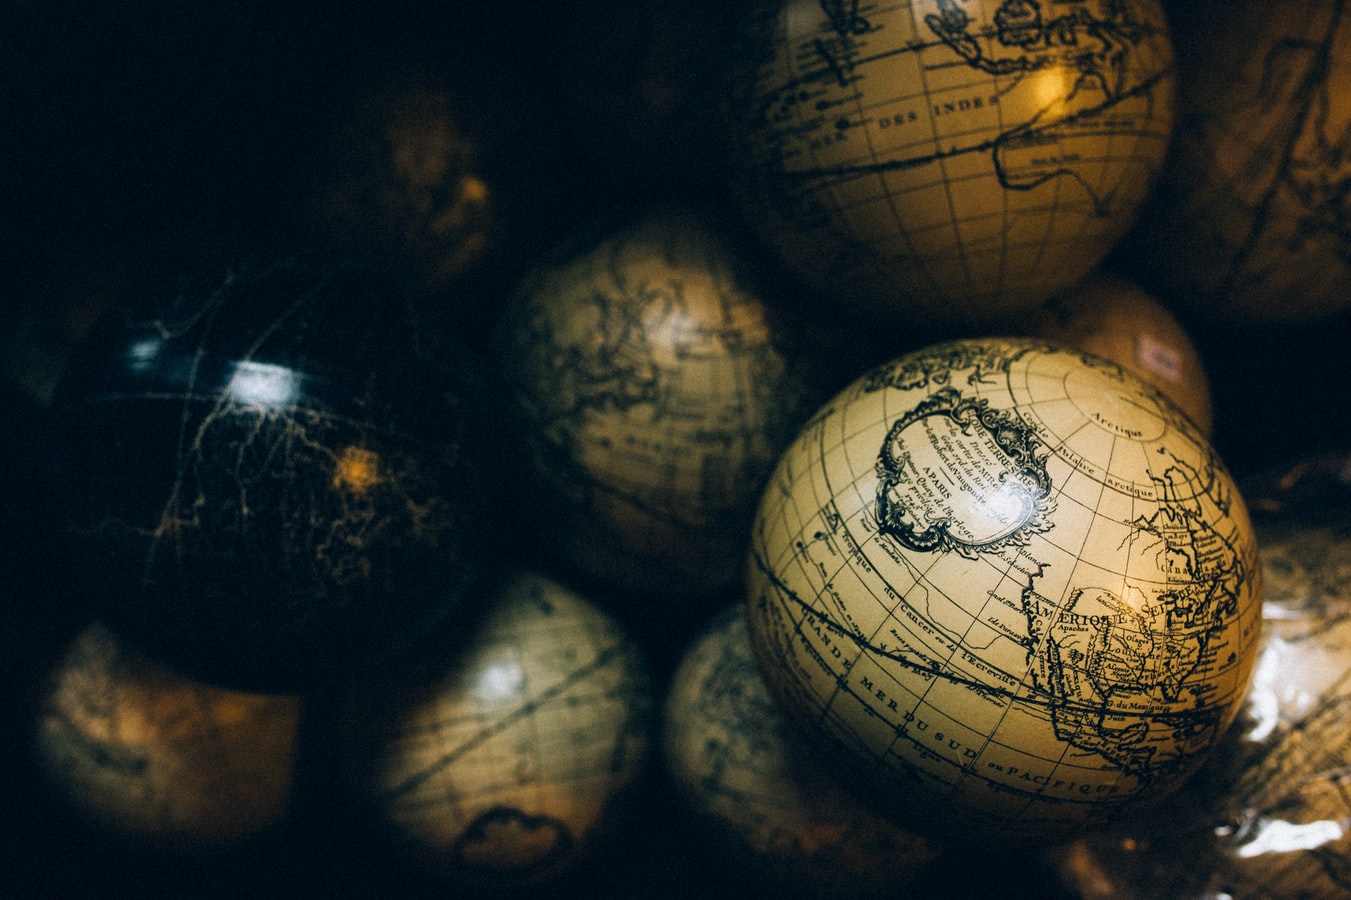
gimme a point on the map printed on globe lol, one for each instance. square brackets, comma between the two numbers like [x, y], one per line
[757, 799]
[656, 384]
[950, 161]
[508, 766]
[1250, 219]
[1011, 584]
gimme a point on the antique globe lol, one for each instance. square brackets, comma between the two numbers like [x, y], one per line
[948, 162]
[271, 473]
[510, 756]
[1112, 316]
[1249, 223]
[158, 760]
[653, 381]
[1007, 586]
[758, 799]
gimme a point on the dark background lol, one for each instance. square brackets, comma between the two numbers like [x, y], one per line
[137, 132]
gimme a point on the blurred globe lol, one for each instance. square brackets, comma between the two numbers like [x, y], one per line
[948, 163]
[272, 473]
[1249, 223]
[653, 381]
[157, 759]
[511, 758]
[1008, 586]
[1116, 318]
[759, 801]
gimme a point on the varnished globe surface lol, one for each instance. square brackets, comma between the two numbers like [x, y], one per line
[271, 473]
[949, 162]
[654, 385]
[1008, 586]
[1249, 223]
[158, 759]
[757, 797]
[511, 761]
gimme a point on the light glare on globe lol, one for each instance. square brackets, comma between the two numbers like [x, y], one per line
[1006, 585]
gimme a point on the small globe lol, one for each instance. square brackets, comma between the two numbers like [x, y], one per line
[509, 762]
[1248, 224]
[272, 473]
[159, 760]
[1114, 317]
[949, 163]
[757, 798]
[1008, 586]
[653, 383]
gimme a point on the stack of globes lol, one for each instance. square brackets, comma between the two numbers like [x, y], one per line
[1008, 587]
[507, 756]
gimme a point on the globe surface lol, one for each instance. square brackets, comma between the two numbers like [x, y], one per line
[509, 762]
[158, 759]
[272, 473]
[949, 162]
[1249, 221]
[1008, 585]
[757, 798]
[654, 386]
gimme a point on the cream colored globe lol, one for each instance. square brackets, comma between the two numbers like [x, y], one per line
[1007, 585]
[156, 759]
[949, 161]
[508, 763]
[758, 798]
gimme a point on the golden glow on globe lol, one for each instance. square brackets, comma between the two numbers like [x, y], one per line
[949, 162]
[507, 761]
[1006, 585]
[159, 759]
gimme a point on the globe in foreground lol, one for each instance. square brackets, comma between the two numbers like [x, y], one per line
[271, 473]
[949, 163]
[1007, 585]
[654, 384]
[511, 761]
[159, 760]
[757, 797]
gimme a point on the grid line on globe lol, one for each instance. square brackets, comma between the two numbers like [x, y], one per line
[949, 160]
[1038, 602]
